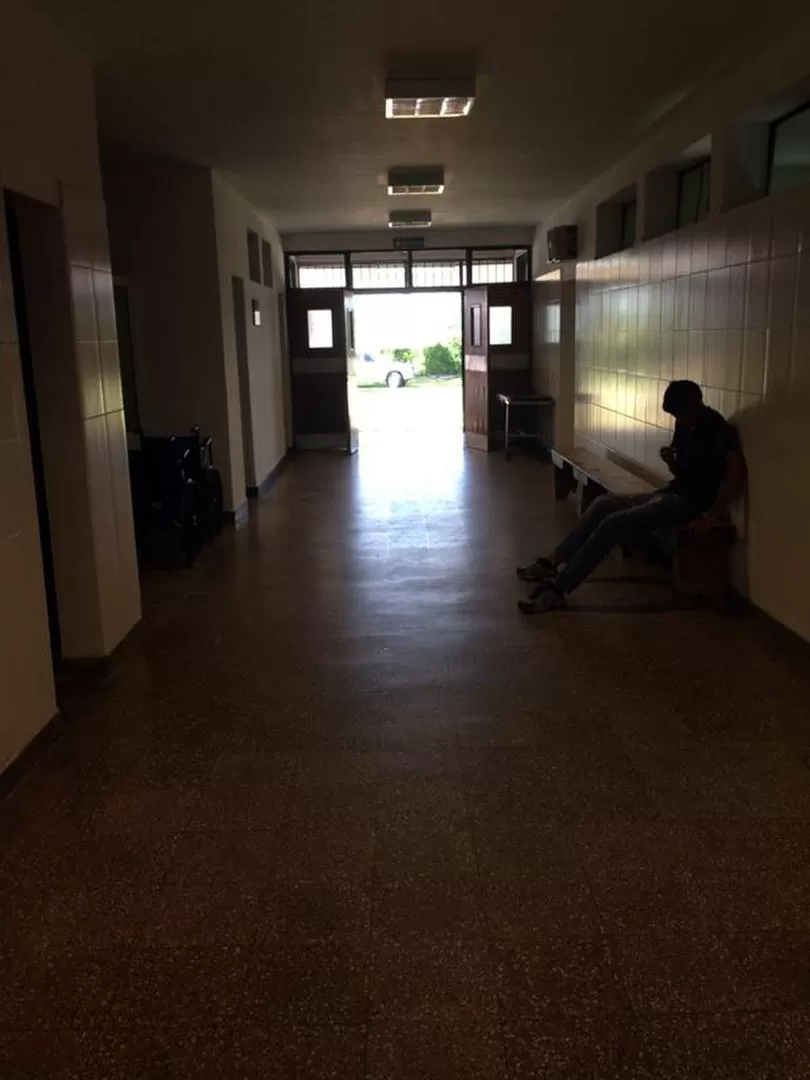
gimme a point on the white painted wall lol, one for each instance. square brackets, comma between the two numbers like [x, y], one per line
[267, 393]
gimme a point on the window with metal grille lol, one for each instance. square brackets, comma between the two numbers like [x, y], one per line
[317, 271]
[439, 269]
[378, 270]
[493, 272]
[500, 267]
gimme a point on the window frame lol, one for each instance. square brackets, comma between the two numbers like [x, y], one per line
[704, 165]
[521, 251]
[254, 254]
[773, 128]
[623, 224]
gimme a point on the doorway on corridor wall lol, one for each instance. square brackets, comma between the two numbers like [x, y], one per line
[405, 381]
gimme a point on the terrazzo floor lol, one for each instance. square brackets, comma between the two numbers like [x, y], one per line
[342, 813]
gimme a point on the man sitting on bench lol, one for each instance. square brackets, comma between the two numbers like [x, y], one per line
[708, 471]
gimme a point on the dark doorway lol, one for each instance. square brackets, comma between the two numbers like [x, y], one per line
[243, 368]
[34, 228]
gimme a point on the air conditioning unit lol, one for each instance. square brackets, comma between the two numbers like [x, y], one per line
[410, 219]
[562, 243]
[416, 180]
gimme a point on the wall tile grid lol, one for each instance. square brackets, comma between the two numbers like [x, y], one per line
[546, 358]
[726, 303]
[103, 416]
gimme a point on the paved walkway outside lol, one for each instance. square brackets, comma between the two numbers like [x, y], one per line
[429, 409]
[343, 814]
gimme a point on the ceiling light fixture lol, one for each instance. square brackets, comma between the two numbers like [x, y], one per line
[418, 99]
[410, 219]
[416, 180]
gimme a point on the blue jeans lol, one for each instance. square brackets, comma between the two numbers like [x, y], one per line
[615, 521]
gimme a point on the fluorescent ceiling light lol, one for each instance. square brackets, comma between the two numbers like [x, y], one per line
[422, 99]
[427, 108]
[410, 219]
[416, 180]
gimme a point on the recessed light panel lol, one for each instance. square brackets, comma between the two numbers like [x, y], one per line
[424, 99]
[410, 219]
[417, 180]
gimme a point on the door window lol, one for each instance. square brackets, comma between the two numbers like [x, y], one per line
[475, 326]
[500, 325]
[320, 329]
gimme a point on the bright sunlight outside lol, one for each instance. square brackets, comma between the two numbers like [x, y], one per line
[407, 373]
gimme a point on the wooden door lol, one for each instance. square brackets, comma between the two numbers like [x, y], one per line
[317, 335]
[509, 351]
[476, 391]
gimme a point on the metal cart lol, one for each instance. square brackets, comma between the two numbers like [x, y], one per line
[525, 404]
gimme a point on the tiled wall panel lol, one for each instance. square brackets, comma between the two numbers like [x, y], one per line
[726, 303]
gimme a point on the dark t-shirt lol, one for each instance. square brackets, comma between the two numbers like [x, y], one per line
[702, 457]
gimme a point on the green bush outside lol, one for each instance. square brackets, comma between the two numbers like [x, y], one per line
[441, 359]
[405, 356]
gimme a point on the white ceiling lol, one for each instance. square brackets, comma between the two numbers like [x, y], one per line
[287, 97]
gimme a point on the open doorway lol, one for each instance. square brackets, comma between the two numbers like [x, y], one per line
[406, 380]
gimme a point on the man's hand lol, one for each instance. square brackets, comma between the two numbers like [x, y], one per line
[669, 456]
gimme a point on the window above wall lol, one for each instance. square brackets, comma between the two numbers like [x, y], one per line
[616, 222]
[379, 269]
[414, 268]
[254, 257]
[490, 267]
[317, 271]
[267, 264]
[693, 193]
[628, 229]
[677, 192]
[789, 157]
[433, 269]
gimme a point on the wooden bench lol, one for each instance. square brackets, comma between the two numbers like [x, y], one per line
[701, 564]
[589, 476]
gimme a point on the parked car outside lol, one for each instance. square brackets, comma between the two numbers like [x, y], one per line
[371, 368]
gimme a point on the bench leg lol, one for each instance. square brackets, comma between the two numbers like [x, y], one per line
[587, 493]
[702, 574]
[564, 482]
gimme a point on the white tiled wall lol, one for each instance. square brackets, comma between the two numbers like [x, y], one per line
[726, 303]
[49, 151]
[104, 429]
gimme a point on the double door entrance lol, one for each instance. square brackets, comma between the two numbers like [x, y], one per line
[496, 350]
